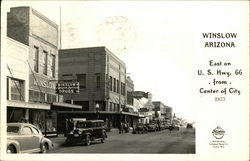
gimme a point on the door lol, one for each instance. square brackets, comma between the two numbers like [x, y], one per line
[27, 140]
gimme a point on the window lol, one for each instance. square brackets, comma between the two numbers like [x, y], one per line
[16, 87]
[36, 59]
[45, 62]
[110, 83]
[26, 131]
[98, 80]
[81, 78]
[117, 85]
[35, 131]
[114, 88]
[53, 66]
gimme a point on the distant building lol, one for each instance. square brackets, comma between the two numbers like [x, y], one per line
[160, 110]
[169, 114]
[102, 77]
[130, 97]
[145, 99]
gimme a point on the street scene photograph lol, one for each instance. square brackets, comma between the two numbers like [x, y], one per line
[93, 77]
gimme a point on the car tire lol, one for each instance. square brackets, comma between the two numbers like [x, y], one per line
[87, 140]
[11, 149]
[44, 148]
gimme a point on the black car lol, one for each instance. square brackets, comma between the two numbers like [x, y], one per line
[189, 126]
[86, 132]
[140, 129]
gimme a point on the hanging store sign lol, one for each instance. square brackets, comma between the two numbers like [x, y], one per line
[67, 87]
[143, 110]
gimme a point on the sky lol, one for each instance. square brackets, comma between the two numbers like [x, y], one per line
[156, 40]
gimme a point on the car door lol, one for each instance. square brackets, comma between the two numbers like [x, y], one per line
[37, 137]
[27, 140]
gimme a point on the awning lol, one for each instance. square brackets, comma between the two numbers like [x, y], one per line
[67, 105]
[89, 112]
[30, 105]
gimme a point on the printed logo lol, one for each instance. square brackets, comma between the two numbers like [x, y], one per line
[218, 132]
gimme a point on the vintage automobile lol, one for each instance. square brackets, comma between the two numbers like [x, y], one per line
[26, 138]
[174, 127]
[189, 126]
[158, 128]
[140, 129]
[86, 132]
[151, 127]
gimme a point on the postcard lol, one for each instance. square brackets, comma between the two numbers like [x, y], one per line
[124, 80]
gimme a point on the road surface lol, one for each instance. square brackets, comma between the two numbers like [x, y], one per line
[160, 142]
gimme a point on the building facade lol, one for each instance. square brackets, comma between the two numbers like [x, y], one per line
[40, 35]
[160, 110]
[145, 99]
[102, 78]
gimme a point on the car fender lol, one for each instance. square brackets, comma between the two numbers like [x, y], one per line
[48, 141]
[15, 144]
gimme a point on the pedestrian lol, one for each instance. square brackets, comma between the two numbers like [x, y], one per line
[70, 125]
[171, 127]
[121, 128]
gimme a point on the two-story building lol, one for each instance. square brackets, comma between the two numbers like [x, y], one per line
[102, 78]
[39, 35]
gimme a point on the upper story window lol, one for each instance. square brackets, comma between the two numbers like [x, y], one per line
[118, 86]
[81, 78]
[45, 62]
[98, 80]
[114, 87]
[15, 89]
[36, 59]
[110, 83]
[53, 66]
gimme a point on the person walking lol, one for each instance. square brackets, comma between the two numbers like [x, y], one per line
[121, 128]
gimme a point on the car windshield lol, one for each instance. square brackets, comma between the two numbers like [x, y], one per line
[13, 129]
[83, 124]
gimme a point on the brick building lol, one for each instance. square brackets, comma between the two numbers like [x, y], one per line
[102, 78]
[40, 35]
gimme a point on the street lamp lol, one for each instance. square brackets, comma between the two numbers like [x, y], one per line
[97, 111]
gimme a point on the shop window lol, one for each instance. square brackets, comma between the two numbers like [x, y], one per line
[36, 59]
[51, 98]
[81, 78]
[45, 62]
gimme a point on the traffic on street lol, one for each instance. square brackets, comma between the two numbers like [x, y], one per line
[180, 141]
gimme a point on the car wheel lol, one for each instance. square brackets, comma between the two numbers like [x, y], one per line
[87, 141]
[11, 149]
[44, 148]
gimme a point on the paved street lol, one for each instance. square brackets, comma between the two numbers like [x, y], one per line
[176, 142]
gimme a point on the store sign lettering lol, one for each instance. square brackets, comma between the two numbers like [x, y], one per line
[69, 87]
[45, 84]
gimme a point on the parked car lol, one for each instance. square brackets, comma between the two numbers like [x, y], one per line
[140, 129]
[157, 125]
[167, 125]
[86, 132]
[175, 127]
[26, 138]
[162, 126]
[151, 127]
[189, 126]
